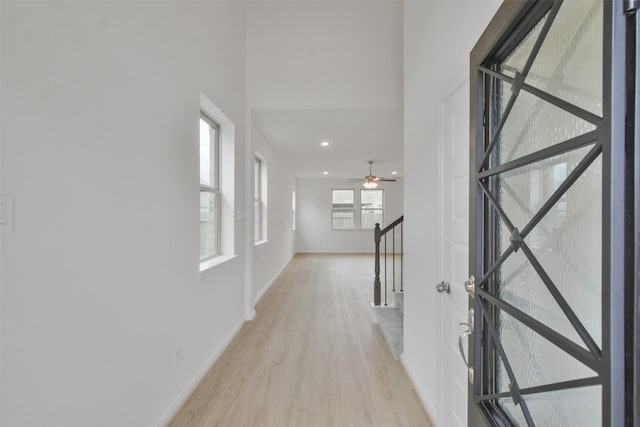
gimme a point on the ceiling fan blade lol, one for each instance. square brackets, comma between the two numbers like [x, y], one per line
[371, 178]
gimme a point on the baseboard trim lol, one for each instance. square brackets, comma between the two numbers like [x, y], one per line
[270, 283]
[422, 395]
[184, 395]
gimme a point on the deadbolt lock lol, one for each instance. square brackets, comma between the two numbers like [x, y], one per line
[470, 286]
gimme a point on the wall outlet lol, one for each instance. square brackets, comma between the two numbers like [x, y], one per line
[177, 357]
[6, 213]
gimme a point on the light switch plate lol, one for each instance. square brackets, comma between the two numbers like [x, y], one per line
[6, 213]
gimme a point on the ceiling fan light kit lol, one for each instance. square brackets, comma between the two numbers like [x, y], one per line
[371, 181]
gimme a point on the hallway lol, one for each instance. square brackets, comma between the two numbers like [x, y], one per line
[311, 357]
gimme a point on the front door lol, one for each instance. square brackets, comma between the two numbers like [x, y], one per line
[454, 204]
[547, 226]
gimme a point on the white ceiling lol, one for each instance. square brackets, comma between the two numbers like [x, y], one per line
[354, 135]
[329, 71]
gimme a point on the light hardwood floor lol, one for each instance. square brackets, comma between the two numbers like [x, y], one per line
[311, 357]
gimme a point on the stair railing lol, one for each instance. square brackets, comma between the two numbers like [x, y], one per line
[378, 235]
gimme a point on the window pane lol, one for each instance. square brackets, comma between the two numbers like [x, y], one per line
[535, 124]
[342, 209]
[524, 191]
[342, 219]
[214, 136]
[342, 198]
[256, 177]
[569, 64]
[209, 225]
[206, 153]
[293, 210]
[371, 199]
[518, 57]
[258, 220]
[369, 218]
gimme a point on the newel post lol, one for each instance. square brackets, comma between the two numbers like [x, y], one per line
[376, 282]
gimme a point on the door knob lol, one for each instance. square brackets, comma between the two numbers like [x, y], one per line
[461, 338]
[443, 287]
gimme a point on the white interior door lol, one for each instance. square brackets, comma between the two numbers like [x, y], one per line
[454, 166]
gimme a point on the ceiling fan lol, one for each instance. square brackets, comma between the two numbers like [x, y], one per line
[371, 181]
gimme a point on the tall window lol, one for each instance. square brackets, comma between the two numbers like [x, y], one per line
[342, 209]
[209, 188]
[217, 186]
[259, 205]
[371, 208]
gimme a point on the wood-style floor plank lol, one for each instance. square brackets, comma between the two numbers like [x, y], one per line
[311, 357]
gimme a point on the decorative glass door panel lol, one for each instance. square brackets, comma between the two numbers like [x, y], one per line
[541, 217]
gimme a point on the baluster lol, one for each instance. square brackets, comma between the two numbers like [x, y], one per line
[385, 269]
[376, 281]
[393, 269]
[401, 253]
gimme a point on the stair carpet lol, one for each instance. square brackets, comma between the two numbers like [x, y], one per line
[390, 322]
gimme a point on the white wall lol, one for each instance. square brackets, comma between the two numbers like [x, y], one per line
[324, 54]
[313, 216]
[100, 280]
[438, 36]
[271, 257]
[1, 234]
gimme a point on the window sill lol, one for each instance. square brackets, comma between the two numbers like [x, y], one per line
[207, 266]
[260, 243]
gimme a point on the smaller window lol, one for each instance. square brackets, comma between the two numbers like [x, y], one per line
[371, 208]
[342, 209]
[293, 209]
[209, 188]
[257, 195]
[260, 198]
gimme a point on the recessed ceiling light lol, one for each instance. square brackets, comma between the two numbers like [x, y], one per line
[325, 173]
[394, 173]
[324, 143]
